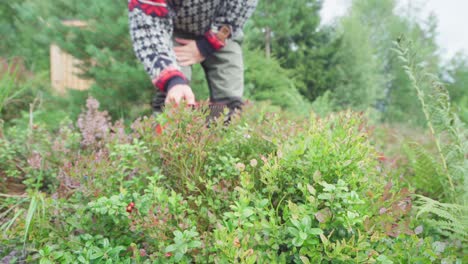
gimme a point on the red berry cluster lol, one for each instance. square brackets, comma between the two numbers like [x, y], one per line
[130, 207]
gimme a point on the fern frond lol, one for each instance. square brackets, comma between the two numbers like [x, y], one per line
[427, 170]
[448, 132]
[448, 218]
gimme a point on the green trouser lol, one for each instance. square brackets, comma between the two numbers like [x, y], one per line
[224, 70]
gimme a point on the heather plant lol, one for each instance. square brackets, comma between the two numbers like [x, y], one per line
[94, 125]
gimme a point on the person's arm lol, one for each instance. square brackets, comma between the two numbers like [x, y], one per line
[229, 22]
[151, 29]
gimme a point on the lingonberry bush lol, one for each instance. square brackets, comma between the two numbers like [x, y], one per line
[181, 188]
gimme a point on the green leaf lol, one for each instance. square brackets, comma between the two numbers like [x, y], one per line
[303, 235]
[178, 256]
[178, 234]
[297, 242]
[384, 259]
[171, 248]
[296, 223]
[57, 254]
[247, 212]
[45, 261]
[325, 196]
[293, 231]
[304, 259]
[316, 231]
[82, 259]
[306, 221]
[311, 189]
[105, 243]
[96, 255]
[194, 244]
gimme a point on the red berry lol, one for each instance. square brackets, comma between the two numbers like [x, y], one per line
[132, 204]
[382, 158]
[168, 254]
[129, 209]
[159, 129]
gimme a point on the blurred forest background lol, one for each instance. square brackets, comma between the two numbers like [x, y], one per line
[289, 54]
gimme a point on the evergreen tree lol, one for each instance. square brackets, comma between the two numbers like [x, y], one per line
[292, 33]
[104, 45]
[21, 33]
[7, 27]
[266, 80]
[372, 74]
[360, 80]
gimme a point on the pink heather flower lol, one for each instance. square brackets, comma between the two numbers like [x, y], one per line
[35, 161]
[93, 124]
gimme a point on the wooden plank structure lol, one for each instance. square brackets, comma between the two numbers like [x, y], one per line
[65, 69]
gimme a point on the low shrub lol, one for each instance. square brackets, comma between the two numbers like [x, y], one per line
[178, 189]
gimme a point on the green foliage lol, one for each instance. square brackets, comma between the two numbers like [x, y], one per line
[267, 80]
[370, 73]
[9, 88]
[7, 29]
[360, 80]
[264, 188]
[451, 218]
[300, 45]
[457, 84]
[105, 48]
[427, 177]
[449, 135]
[183, 242]
[400, 104]
[324, 104]
[8, 153]
[24, 30]
[448, 132]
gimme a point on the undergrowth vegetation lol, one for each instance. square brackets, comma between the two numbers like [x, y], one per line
[445, 171]
[176, 189]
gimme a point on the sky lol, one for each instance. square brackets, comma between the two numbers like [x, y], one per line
[452, 17]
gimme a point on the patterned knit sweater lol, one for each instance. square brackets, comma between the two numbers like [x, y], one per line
[152, 23]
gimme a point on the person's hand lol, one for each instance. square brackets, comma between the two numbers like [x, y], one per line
[188, 54]
[180, 92]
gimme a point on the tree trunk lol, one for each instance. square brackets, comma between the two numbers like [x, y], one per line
[268, 42]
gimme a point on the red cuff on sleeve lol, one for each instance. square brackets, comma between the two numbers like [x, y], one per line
[165, 76]
[154, 8]
[214, 41]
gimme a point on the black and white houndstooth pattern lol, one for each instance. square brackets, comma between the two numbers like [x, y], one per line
[152, 35]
